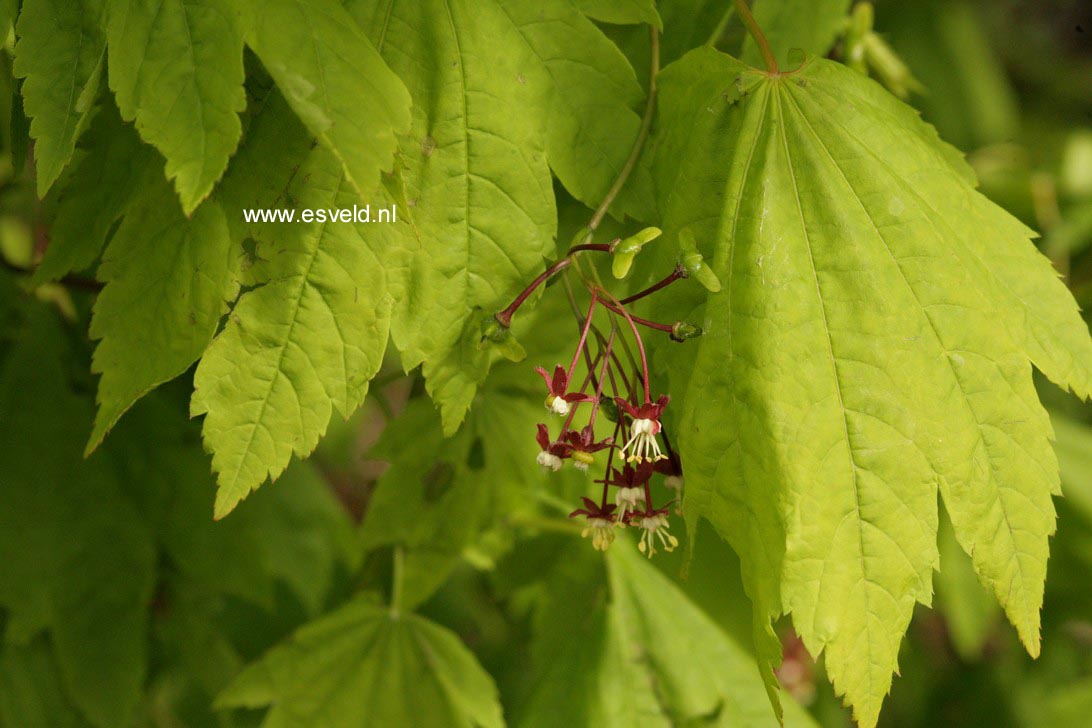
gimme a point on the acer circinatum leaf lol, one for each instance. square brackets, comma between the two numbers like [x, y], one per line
[501, 94]
[176, 68]
[645, 655]
[59, 54]
[364, 666]
[167, 279]
[334, 80]
[871, 346]
[476, 176]
[294, 349]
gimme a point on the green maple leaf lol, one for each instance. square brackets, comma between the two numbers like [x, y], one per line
[643, 656]
[334, 80]
[297, 347]
[176, 68]
[168, 279]
[59, 54]
[871, 346]
[501, 93]
[363, 666]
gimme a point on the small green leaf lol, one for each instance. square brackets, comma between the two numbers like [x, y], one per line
[168, 279]
[363, 666]
[59, 55]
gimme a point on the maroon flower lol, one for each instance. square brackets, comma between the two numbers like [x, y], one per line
[647, 411]
[600, 522]
[654, 525]
[583, 445]
[645, 425]
[630, 482]
[552, 452]
[559, 398]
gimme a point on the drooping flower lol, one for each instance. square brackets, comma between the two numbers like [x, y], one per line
[559, 398]
[642, 445]
[599, 523]
[654, 525]
[630, 482]
[584, 446]
[552, 452]
[671, 468]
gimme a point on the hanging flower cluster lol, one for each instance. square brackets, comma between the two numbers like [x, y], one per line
[616, 384]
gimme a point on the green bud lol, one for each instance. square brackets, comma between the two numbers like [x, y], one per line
[626, 249]
[493, 330]
[498, 336]
[681, 331]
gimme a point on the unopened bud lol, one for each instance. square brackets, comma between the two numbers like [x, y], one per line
[681, 331]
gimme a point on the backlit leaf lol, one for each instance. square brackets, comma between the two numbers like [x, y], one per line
[871, 346]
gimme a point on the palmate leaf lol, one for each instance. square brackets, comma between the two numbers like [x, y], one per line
[60, 55]
[363, 666]
[643, 656]
[872, 344]
[500, 90]
[176, 68]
